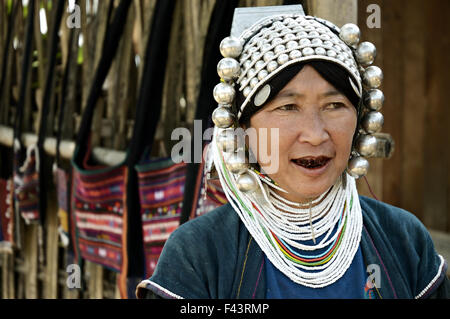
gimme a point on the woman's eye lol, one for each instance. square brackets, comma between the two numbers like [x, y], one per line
[287, 107]
[335, 105]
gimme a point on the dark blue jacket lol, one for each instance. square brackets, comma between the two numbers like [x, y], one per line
[214, 256]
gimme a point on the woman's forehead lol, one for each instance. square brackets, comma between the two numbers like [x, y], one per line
[307, 81]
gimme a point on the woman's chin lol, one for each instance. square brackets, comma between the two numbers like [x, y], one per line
[303, 189]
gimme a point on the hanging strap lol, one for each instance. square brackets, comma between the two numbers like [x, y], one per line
[218, 29]
[46, 101]
[49, 84]
[28, 48]
[6, 50]
[108, 53]
[149, 105]
[148, 110]
[64, 92]
[5, 161]
[65, 81]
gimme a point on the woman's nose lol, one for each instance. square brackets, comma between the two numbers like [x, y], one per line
[312, 129]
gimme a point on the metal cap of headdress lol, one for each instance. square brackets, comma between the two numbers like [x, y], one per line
[263, 42]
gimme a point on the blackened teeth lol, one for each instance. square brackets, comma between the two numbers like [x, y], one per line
[311, 162]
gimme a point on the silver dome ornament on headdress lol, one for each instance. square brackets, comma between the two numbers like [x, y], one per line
[373, 99]
[366, 145]
[372, 77]
[227, 140]
[350, 34]
[366, 53]
[228, 69]
[223, 117]
[246, 183]
[372, 122]
[237, 163]
[231, 47]
[358, 166]
[224, 93]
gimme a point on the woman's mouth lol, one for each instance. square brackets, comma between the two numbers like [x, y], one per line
[312, 162]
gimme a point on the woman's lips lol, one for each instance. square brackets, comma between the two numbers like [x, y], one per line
[312, 166]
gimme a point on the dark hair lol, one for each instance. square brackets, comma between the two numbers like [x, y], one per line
[331, 72]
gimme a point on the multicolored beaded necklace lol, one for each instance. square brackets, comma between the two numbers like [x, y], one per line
[283, 235]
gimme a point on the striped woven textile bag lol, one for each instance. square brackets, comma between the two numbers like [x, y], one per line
[99, 215]
[6, 215]
[161, 188]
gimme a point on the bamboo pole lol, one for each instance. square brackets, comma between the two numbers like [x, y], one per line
[30, 251]
[51, 269]
[100, 154]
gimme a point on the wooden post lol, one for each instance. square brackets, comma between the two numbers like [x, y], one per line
[95, 280]
[30, 251]
[51, 269]
[436, 151]
[338, 12]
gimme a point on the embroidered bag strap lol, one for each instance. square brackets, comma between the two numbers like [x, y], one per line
[109, 50]
[148, 111]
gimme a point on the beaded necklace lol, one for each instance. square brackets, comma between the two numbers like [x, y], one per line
[282, 230]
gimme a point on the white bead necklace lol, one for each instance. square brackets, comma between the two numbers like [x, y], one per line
[269, 217]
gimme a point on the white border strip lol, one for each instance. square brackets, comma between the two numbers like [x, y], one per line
[168, 292]
[425, 290]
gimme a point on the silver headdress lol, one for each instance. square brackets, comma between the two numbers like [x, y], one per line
[273, 43]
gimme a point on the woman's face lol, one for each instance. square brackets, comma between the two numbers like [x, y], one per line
[316, 124]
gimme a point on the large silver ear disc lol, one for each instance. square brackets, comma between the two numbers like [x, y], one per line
[366, 53]
[372, 77]
[372, 122]
[358, 167]
[350, 34]
[224, 93]
[222, 117]
[228, 69]
[231, 47]
[227, 140]
[374, 99]
[246, 183]
[366, 145]
[237, 163]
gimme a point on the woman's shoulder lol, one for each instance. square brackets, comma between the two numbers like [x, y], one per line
[403, 239]
[220, 219]
[391, 217]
